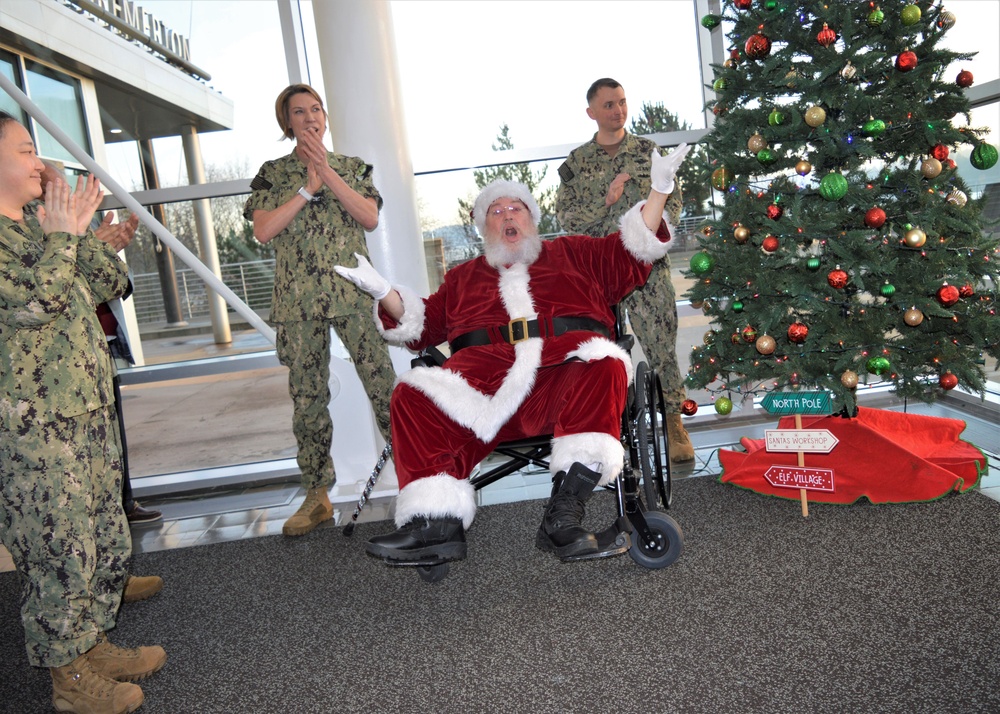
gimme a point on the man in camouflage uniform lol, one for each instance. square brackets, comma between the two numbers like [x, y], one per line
[61, 516]
[315, 206]
[599, 182]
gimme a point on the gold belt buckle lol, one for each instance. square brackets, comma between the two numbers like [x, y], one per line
[523, 322]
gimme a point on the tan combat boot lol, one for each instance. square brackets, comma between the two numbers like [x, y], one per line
[678, 440]
[77, 687]
[141, 587]
[125, 665]
[313, 511]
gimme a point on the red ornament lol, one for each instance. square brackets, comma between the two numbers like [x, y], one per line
[742, 4]
[774, 211]
[906, 61]
[940, 152]
[966, 291]
[964, 79]
[719, 109]
[949, 164]
[837, 279]
[689, 407]
[749, 334]
[875, 217]
[735, 338]
[758, 46]
[948, 381]
[947, 295]
[797, 332]
[826, 36]
[769, 244]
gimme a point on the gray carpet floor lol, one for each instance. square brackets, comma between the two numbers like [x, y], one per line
[856, 609]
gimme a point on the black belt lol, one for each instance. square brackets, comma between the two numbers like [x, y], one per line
[521, 329]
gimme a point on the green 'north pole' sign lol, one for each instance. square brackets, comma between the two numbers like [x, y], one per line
[797, 403]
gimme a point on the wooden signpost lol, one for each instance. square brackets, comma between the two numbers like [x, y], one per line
[801, 441]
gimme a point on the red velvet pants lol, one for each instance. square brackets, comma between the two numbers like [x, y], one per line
[569, 398]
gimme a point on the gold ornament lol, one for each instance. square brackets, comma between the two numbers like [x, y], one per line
[930, 168]
[849, 379]
[803, 168]
[756, 143]
[741, 234]
[915, 238]
[765, 344]
[913, 317]
[815, 116]
[957, 198]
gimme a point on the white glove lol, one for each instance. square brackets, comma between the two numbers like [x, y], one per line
[365, 277]
[664, 168]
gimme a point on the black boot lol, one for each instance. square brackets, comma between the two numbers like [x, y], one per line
[421, 541]
[561, 531]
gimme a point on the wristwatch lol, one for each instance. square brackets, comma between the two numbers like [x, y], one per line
[305, 194]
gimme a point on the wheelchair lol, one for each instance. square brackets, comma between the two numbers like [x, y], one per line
[652, 538]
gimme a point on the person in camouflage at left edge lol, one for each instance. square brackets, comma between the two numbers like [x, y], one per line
[599, 182]
[314, 207]
[61, 516]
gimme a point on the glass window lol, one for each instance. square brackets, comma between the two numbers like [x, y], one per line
[8, 65]
[59, 96]
[966, 35]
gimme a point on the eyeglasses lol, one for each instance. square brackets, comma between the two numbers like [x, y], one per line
[500, 210]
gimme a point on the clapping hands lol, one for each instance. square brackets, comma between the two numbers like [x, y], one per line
[663, 170]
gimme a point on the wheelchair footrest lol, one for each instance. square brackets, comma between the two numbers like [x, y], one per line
[612, 541]
[428, 562]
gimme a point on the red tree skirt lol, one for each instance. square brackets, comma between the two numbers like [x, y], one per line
[884, 456]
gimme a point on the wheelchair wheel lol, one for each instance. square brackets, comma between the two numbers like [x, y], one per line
[666, 545]
[651, 447]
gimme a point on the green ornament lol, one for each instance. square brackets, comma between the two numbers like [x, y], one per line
[766, 156]
[723, 405]
[701, 263]
[737, 306]
[984, 157]
[910, 15]
[875, 18]
[710, 22]
[719, 84]
[877, 365]
[873, 127]
[888, 290]
[771, 5]
[775, 118]
[813, 263]
[833, 187]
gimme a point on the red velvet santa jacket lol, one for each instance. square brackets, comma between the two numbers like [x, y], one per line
[481, 387]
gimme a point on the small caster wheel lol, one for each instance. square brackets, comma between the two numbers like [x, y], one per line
[433, 573]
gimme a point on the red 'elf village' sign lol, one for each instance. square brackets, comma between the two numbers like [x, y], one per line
[800, 477]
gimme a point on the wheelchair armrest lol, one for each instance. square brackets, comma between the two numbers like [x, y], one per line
[626, 342]
[430, 357]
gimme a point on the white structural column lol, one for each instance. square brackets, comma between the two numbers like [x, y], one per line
[360, 71]
[206, 236]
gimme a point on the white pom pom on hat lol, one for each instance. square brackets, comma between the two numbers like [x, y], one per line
[503, 189]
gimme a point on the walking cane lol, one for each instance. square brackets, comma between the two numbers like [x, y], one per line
[379, 465]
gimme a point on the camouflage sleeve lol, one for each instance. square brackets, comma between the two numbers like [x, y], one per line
[35, 291]
[262, 197]
[580, 208]
[101, 267]
[362, 180]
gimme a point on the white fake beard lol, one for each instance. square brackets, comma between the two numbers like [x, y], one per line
[499, 253]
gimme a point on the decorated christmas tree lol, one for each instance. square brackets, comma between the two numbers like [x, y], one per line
[845, 248]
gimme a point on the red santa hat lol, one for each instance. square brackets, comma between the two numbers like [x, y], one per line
[503, 189]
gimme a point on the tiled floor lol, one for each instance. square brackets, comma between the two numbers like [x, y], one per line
[261, 510]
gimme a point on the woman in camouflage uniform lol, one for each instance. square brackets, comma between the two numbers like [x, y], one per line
[314, 207]
[61, 514]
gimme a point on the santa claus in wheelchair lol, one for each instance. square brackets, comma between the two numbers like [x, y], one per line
[530, 328]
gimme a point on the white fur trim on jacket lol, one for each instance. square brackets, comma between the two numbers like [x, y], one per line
[410, 325]
[438, 496]
[485, 415]
[590, 448]
[639, 240]
[599, 348]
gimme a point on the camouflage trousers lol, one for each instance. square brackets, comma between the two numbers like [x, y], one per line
[63, 523]
[652, 313]
[304, 347]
